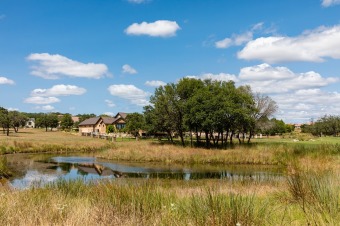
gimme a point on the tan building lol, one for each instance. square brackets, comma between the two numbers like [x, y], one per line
[99, 124]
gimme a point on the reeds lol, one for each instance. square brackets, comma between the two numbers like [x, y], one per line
[317, 196]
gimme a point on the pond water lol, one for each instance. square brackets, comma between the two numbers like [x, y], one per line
[33, 169]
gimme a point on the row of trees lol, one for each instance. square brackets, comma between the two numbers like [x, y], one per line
[327, 125]
[218, 109]
[15, 120]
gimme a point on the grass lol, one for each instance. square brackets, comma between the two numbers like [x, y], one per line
[37, 140]
[303, 199]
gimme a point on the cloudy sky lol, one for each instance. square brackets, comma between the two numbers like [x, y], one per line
[86, 56]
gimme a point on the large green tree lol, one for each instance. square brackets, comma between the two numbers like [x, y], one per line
[134, 123]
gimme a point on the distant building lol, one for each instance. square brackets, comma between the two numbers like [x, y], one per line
[30, 123]
[99, 124]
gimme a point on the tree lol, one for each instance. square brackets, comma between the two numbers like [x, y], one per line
[17, 119]
[66, 121]
[47, 121]
[5, 120]
[264, 107]
[134, 123]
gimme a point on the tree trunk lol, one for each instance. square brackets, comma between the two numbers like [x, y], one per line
[197, 138]
[239, 139]
[231, 137]
[169, 135]
[207, 140]
[190, 138]
[7, 131]
[250, 135]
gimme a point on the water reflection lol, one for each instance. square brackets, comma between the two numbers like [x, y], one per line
[32, 170]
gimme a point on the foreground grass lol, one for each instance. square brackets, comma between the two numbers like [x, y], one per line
[37, 140]
[301, 200]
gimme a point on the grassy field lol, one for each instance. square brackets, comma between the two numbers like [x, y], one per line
[310, 194]
[37, 140]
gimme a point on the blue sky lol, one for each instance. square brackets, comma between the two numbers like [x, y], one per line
[107, 56]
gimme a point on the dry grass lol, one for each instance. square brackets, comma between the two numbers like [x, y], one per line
[149, 151]
[37, 140]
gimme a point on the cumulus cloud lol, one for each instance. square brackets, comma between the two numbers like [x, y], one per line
[215, 77]
[4, 80]
[328, 3]
[59, 90]
[41, 100]
[127, 69]
[130, 92]
[159, 28]
[267, 79]
[50, 66]
[110, 103]
[238, 39]
[313, 46]
[155, 83]
[303, 105]
[265, 72]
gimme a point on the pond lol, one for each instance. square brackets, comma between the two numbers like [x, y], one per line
[39, 169]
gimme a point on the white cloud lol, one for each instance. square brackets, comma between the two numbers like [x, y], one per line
[313, 46]
[130, 92]
[159, 28]
[127, 69]
[110, 103]
[138, 1]
[13, 109]
[155, 83]
[54, 66]
[267, 79]
[109, 113]
[265, 72]
[59, 90]
[328, 3]
[238, 39]
[41, 100]
[303, 105]
[4, 80]
[215, 77]
[47, 108]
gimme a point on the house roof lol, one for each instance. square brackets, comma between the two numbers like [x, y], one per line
[90, 121]
[108, 120]
[121, 114]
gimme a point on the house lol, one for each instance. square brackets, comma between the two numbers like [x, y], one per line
[99, 124]
[30, 123]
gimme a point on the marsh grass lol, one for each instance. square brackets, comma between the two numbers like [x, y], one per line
[171, 202]
[317, 196]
